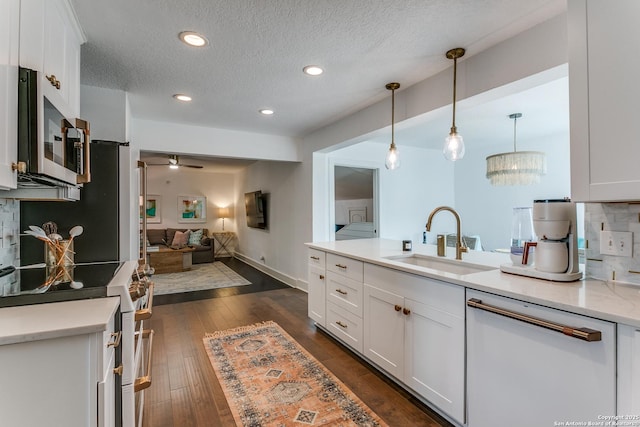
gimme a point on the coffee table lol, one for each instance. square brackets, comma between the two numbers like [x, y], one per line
[167, 260]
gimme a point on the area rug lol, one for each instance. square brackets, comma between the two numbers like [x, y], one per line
[270, 380]
[200, 277]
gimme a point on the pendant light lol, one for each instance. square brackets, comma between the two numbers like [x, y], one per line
[392, 160]
[517, 167]
[454, 145]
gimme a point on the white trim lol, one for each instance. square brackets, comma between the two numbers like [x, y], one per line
[287, 280]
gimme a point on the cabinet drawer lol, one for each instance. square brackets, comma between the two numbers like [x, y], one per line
[344, 266]
[345, 326]
[344, 292]
[317, 258]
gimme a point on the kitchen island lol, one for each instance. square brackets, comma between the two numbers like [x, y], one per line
[430, 323]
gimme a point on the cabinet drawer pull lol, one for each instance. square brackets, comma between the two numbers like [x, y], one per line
[145, 313]
[340, 291]
[585, 334]
[118, 370]
[54, 82]
[322, 277]
[397, 307]
[145, 381]
[344, 267]
[117, 337]
[315, 258]
[406, 311]
[342, 325]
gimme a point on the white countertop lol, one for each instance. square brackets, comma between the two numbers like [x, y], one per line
[53, 320]
[613, 301]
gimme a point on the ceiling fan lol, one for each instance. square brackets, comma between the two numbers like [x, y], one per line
[174, 163]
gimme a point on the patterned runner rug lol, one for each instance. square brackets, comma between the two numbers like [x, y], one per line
[270, 380]
[201, 276]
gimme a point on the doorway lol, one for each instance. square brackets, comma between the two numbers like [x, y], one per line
[355, 202]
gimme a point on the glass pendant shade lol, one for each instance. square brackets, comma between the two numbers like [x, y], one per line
[453, 147]
[517, 167]
[454, 144]
[392, 161]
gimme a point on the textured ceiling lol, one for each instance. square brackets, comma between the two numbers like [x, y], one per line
[258, 49]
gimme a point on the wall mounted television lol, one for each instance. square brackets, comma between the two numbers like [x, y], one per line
[255, 204]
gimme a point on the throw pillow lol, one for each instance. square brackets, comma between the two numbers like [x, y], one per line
[195, 237]
[180, 239]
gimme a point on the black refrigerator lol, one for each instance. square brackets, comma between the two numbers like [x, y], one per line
[97, 212]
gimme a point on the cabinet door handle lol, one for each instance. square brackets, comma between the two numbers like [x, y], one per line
[118, 370]
[344, 267]
[406, 311]
[340, 291]
[321, 277]
[315, 258]
[117, 336]
[397, 307]
[585, 334]
[342, 325]
[54, 82]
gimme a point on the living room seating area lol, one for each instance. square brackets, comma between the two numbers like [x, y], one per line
[198, 239]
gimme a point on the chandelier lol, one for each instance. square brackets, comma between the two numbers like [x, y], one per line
[517, 167]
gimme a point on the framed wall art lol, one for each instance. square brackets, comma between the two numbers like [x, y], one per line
[192, 209]
[152, 209]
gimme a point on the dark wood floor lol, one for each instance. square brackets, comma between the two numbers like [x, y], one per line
[185, 391]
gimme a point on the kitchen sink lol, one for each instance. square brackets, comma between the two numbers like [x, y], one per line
[447, 265]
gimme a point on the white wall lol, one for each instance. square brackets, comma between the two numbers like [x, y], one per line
[276, 246]
[343, 207]
[218, 188]
[172, 137]
[487, 210]
[424, 181]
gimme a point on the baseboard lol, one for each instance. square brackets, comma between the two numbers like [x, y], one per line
[284, 278]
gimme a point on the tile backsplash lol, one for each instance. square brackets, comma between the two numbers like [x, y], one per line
[612, 217]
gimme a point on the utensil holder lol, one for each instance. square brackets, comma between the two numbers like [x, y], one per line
[59, 253]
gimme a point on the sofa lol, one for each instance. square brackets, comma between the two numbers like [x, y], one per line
[203, 250]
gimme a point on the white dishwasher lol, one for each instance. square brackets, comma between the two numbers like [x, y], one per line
[529, 365]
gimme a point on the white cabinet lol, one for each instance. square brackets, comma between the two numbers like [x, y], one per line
[343, 294]
[64, 381]
[414, 329]
[604, 99]
[317, 278]
[9, 35]
[50, 39]
[384, 337]
[522, 372]
[628, 371]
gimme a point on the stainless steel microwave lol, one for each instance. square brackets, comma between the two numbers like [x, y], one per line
[50, 145]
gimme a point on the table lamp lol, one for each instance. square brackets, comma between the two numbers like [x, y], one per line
[223, 213]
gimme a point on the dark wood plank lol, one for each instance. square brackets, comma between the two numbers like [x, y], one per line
[186, 392]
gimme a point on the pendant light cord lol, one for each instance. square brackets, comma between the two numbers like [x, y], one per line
[453, 120]
[515, 121]
[393, 110]
[515, 117]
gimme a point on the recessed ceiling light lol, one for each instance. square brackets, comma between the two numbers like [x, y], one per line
[266, 111]
[313, 70]
[182, 97]
[193, 39]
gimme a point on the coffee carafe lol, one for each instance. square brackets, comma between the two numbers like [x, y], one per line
[554, 222]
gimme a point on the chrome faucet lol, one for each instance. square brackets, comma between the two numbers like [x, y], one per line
[460, 247]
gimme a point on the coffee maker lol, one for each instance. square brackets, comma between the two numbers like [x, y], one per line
[556, 251]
